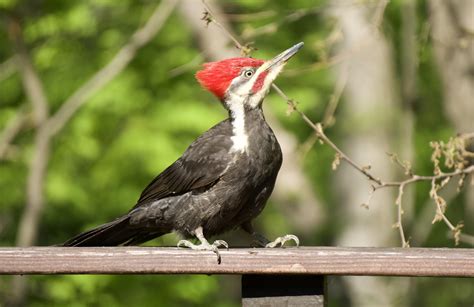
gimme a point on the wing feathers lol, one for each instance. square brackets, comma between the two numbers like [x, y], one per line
[201, 165]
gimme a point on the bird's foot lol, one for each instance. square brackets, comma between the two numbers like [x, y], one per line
[205, 246]
[282, 240]
[259, 240]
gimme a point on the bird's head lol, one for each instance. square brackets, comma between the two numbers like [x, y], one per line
[243, 81]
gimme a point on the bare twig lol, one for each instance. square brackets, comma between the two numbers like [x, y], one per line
[341, 57]
[306, 207]
[340, 155]
[399, 223]
[468, 239]
[316, 127]
[186, 66]
[273, 26]
[416, 178]
[328, 118]
[209, 17]
[246, 17]
[467, 135]
[325, 63]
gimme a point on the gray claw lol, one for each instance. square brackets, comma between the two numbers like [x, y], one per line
[282, 240]
[218, 243]
[205, 246]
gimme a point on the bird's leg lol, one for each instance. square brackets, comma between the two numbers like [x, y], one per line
[261, 241]
[281, 241]
[204, 244]
[258, 239]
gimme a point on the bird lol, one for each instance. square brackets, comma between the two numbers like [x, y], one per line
[223, 179]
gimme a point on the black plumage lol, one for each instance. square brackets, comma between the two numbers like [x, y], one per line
[208, 186]
[223, 179]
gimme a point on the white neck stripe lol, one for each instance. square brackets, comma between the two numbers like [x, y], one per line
[240, 137]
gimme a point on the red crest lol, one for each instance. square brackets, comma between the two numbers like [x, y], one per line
[217, 76]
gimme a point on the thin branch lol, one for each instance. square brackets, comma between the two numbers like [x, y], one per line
[209, 17]
[420, 230]
[139, 39]
[33, 87]
[399, 223]
[380, 10]
[48, 127]
[296, 15]
[343, 56]
[328, 118]
[7, 68]
[416, 178]
[467, 135]
[36, 94]
[14, 126]
[318, 128]
[246, 17]
[468, 239]
[273, 26]
[181, 69]
[31, 82]
[331, 61]
[378, 183]
[440, 203]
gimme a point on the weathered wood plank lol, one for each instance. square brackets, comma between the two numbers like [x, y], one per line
[302, 260]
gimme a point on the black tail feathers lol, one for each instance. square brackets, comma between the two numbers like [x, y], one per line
[117, 232]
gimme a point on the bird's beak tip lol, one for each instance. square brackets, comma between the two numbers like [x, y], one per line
[283, 57]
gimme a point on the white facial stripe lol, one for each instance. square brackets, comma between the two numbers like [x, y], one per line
[236, 100]
[258, 97]
[240, 137]
[245, 89]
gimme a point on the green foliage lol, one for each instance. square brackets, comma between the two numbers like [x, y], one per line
[143, 120]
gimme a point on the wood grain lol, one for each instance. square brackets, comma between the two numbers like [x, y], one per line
[303, 260]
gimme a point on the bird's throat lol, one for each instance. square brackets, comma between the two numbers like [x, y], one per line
[237, 118]
[237, 114]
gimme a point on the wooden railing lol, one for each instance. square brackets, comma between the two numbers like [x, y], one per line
[269, 275]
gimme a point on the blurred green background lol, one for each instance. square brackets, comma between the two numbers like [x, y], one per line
[142, 121]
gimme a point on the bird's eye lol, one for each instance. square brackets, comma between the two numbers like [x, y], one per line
[248, 73]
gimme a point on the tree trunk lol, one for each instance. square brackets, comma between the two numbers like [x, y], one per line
[370, 111]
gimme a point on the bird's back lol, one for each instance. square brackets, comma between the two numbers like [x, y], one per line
[223, 187]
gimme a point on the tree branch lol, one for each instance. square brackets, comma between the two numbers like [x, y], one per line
[11, 130]
[27, 230]
[48, 127]
[139, 39]
[318, 128]
[307, 213]
[36, 94]
[7, 68]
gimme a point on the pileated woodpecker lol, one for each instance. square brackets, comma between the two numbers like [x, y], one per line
[223, 179]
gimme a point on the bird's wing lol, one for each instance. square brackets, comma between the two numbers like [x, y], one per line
[201, 165]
